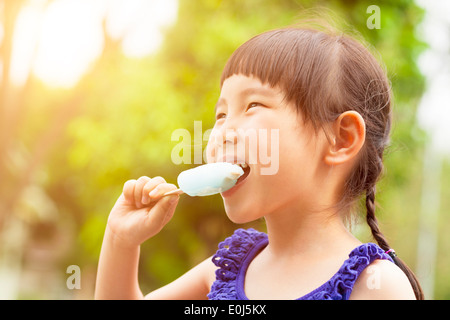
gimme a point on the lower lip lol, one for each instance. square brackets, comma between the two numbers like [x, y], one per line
[233, 190]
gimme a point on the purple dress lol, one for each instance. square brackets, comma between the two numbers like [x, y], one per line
[236, 252]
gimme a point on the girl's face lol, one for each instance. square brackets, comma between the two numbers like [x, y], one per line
[256, 126]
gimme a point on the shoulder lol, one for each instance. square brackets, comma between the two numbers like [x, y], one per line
[382, 280]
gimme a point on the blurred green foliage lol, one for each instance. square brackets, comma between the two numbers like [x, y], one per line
[122, 114]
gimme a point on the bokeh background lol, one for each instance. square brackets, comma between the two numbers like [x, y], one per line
[91, 91]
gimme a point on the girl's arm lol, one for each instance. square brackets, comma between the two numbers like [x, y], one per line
[139, 214]
[117, 274]
[193, 285]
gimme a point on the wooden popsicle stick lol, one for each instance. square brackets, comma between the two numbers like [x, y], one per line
[176, 191]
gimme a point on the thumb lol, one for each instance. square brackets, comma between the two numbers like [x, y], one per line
[170, 207]
[163, 211]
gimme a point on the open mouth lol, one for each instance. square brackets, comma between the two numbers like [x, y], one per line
[240, 180]
[246, 169]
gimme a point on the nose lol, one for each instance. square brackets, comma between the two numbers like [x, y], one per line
[222, 141]
[227, 132]
[230, 136]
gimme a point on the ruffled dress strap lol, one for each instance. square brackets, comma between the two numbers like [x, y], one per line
[340, 286]
[230, 258]
[236, 252]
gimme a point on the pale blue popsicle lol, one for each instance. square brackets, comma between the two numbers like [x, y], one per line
[209, 178]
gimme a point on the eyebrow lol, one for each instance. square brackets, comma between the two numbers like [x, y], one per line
[258, 91]
[249, 91]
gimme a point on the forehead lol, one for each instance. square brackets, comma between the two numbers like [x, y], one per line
[240, 86]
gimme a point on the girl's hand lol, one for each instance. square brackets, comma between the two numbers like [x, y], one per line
[141, 211]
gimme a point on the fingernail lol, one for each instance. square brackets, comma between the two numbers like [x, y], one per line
[153, 193]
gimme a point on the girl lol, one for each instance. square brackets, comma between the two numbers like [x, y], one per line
[329, 101]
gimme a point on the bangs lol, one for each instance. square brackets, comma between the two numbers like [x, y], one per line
[266, 56]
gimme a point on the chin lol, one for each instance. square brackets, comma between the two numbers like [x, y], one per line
[240, 214]
[238, 219]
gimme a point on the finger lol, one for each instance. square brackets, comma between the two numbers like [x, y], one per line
[138, 191]
[173, 205]
[128, 191]
[162, 212]
[160, 190]
[149, 187]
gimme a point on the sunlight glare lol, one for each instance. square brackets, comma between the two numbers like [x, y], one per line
[25, 38]
[60, 40]
[138, 23]
[71, 39]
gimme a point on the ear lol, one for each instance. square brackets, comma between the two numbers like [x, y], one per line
[347, 139]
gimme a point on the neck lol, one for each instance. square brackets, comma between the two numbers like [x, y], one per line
[294, 232]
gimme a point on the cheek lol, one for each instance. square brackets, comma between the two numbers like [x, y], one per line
[210, 153]
[298, 163]
[298, 145]
[213, 146]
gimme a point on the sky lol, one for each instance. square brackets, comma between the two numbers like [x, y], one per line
[58, 40]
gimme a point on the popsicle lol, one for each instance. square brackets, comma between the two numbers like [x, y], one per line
[208, 179]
